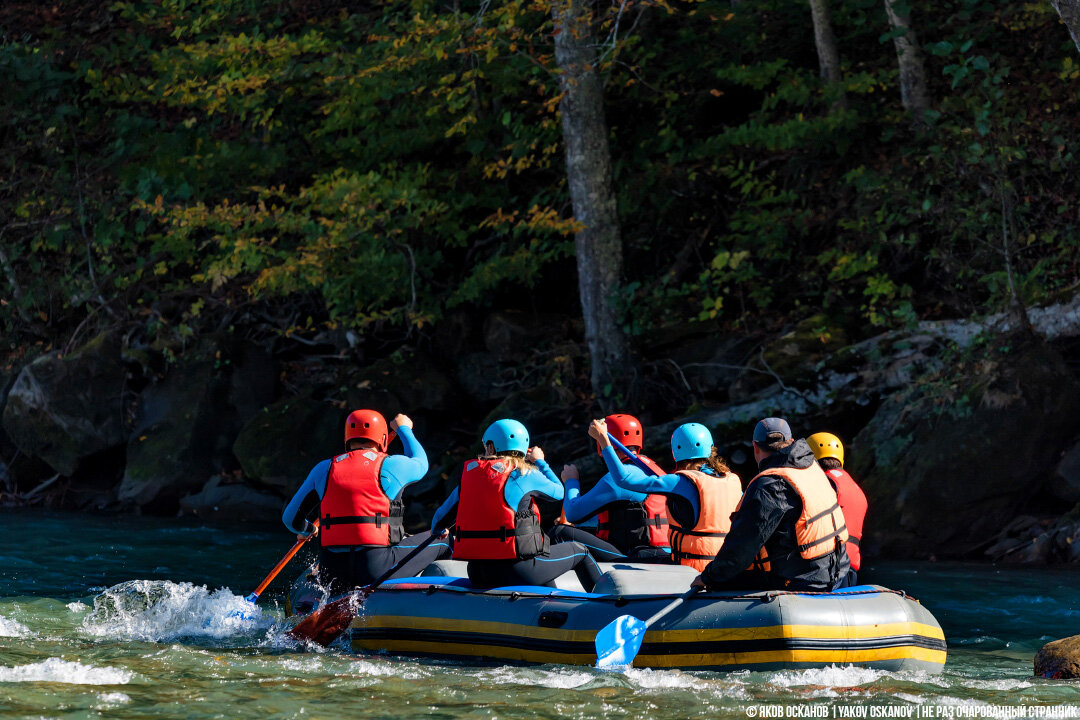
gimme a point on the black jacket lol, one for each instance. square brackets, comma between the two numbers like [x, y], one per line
[767, 518]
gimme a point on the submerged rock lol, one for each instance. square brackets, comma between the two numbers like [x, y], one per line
[235, 501]
[65, 408]
[1059, 660]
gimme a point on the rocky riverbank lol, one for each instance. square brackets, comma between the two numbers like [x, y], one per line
[964, 433]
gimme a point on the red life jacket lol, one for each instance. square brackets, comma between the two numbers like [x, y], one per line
[488, 528]
[354, 509]
[852, 501]
[628, 525]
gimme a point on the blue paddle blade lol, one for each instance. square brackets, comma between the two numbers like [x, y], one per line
[619, 641]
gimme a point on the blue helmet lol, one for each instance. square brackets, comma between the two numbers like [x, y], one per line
[691, 442]
[507, 436]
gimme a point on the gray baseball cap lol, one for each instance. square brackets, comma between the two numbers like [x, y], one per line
[770, 430]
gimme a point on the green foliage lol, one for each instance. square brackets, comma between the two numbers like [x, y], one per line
[377, 165]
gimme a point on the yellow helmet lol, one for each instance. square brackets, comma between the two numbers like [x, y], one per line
[826, 445]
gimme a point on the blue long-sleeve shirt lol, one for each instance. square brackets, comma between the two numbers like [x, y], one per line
[519, 488]
[582, 509]
[631, 478]
[397, 473]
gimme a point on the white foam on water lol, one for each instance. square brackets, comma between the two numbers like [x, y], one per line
[12, 628]
[111, 700]
[832, 676]
[560, 678]
[383, 669]
[159, 610]
[58, 670]
[1006, 684]
[77, 607]
[653, 679]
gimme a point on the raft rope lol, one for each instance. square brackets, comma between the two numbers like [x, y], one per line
[764, 596]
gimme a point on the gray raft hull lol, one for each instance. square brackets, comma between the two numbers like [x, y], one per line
[441, 616]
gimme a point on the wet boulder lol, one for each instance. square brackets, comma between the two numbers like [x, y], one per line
[1059, 660]
[511, 335]
[281, 443]
[1065, 483]
[232, 501]
[253, 378]
[417, 380]
[66, 408]
[176, 443]
[948, 462]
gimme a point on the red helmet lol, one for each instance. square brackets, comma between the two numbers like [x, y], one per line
[368, 424]
[626, 429]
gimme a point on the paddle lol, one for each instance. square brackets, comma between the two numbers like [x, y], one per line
[254, 595]
[324, 625]
[630, 454]
[619, 641]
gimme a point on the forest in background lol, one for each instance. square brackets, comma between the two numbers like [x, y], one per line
[374, 167]
[366, 185]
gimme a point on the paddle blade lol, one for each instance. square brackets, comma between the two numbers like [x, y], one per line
[323, 626]
[619, 641]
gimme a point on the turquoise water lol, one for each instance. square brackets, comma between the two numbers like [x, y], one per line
[190, 654]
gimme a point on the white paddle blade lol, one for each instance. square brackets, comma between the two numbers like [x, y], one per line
[619, 641]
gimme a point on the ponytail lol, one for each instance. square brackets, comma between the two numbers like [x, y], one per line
[714, 462]
[515, 459]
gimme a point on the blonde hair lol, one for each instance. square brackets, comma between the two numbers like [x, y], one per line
[515, 460]
[714, 462]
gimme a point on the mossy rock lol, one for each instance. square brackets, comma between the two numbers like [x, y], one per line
[281, 444]
[948, 462]
[795, 357]
[174, 446]
[63, 409]
[414, 378]
[1059, 660]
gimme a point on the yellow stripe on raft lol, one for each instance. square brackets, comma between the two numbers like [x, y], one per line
[825, 657]
[814, 632]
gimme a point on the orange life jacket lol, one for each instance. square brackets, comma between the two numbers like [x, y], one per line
[354, 510]
[852, 501]
[718, 497]
[488, 528]
[820, 528]
[628, 525]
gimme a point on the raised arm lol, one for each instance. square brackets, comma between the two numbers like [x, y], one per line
[400, 471]
[631, 477]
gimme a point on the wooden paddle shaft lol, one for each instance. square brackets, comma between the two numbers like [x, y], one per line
[285, 560]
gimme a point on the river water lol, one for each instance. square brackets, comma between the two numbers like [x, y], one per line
[140, 618]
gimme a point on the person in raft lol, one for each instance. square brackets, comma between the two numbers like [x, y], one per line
[701, 494]
[497, 524]
[829, 452]
[788, 531]
[629, 523]
[358, 498]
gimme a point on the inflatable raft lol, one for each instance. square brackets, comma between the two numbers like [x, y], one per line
[441, 615]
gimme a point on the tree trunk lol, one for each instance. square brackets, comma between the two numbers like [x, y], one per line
[913, 92]
[589, 177]
[1069, 10]
[825, 41]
